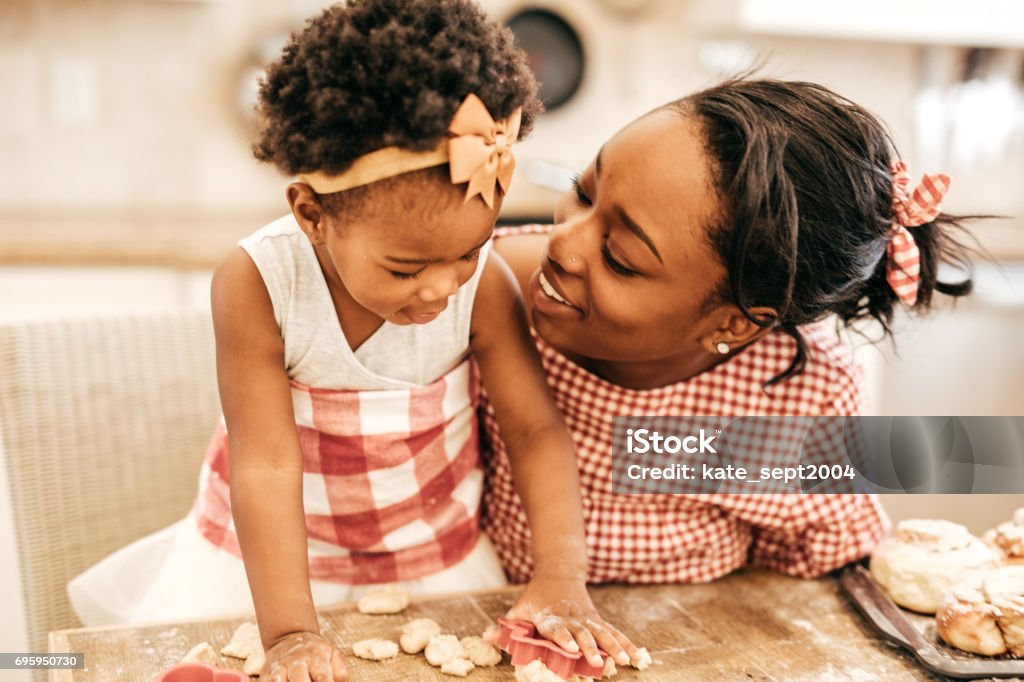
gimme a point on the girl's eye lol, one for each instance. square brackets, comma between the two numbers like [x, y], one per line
[581, 196]
[470, 257]
[405, 275]
[615, 265]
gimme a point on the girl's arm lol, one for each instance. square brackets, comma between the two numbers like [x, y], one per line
[543, 463]
[266, 467]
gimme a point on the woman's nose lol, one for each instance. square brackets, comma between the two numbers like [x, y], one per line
[567, 244]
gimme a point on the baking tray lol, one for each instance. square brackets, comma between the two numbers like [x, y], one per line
[916, 633]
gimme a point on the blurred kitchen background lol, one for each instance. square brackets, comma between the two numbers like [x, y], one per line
[126, 173]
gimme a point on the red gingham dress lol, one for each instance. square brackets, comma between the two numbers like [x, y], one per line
[391, 480]
[694, 538]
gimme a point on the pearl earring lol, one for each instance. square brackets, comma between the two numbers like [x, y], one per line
[722, 347]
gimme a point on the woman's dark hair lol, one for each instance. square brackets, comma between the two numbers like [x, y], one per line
[806, 208]
[367, 74]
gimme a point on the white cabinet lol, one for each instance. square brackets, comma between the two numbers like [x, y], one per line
[982, 23]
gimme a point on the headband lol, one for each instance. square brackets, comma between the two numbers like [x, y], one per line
[477, 150]
[922, 206]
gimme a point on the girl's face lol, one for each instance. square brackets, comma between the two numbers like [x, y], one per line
[628, 269]
[406, 254]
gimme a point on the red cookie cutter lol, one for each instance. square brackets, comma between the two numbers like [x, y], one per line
[519, 639]
[199, 672]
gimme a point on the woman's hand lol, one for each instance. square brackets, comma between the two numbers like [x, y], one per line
[563, 613]
[304, 657]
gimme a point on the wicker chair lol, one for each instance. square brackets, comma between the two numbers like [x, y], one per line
[103, 424]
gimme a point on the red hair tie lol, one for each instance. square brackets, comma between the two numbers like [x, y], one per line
[922, 206]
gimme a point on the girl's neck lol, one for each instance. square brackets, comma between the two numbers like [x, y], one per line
[357, 323]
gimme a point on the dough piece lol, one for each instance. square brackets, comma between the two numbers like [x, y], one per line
[417, 633]
[443, 648]
[536, 671]
[919, 566]
[1009, 537]
[609, 668]
[480, 651]
[201, 653]
[457, 667]
[984, 614]
[375, 649]
[388, 600]
[245, 642]
[644, 659]
[254, 663]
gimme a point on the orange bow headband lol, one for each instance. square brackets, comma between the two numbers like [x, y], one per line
[478, 151]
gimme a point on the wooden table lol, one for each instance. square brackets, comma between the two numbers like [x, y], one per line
[752, 625]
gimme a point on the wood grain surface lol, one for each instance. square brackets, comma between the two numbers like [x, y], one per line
[752, 625]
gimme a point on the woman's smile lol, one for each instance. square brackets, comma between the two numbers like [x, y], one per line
[549, 295]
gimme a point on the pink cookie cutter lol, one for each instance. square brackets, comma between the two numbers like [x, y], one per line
[519, 639]
[199, 672]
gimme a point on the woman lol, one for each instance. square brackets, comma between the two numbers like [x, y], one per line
[689, 273]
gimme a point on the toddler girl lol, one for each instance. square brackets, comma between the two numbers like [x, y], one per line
[344, 331]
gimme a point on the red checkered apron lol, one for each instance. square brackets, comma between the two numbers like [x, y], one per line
[391, 480]
[694, 538]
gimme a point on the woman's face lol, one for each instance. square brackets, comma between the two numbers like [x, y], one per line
[629, 257]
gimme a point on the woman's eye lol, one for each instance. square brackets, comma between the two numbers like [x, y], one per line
[581, 196]
[615, 265]
[470, 257]
[405, 275]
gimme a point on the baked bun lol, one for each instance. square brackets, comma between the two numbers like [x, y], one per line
[1009, 538]
[920, 565]
[984, 614]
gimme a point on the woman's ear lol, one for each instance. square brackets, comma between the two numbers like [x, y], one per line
[308, 212]
[735, 330]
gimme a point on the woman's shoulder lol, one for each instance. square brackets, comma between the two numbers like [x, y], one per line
[828, 353]
[832, 381]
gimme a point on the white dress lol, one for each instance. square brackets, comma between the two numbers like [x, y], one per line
[177, 573]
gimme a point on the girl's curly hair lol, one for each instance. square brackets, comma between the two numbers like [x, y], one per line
[367, 74]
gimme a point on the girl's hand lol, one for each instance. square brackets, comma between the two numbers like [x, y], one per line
[563, 613]
[304, 657]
